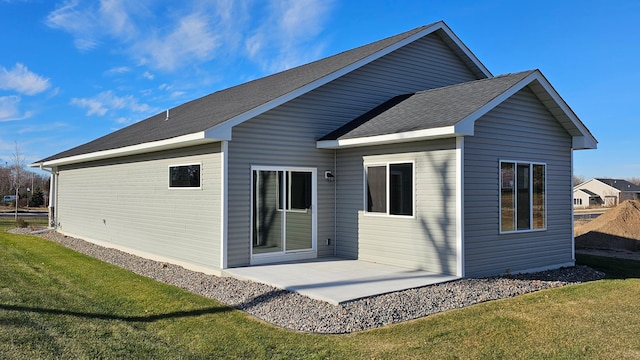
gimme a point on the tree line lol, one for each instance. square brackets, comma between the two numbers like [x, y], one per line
[30, 187]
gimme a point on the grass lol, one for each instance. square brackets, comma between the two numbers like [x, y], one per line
[56, 303]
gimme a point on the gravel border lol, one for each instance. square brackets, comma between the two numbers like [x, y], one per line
[300, 313]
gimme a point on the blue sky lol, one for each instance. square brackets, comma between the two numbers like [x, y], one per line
[71, 71]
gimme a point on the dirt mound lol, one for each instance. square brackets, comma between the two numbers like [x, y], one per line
[618, 228]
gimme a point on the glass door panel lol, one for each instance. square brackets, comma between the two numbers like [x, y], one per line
[268, 219]
[299, 213]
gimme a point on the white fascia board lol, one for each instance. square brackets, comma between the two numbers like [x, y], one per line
[584, 142]
[418, 135]
[468, 122]
[465, 49]
[587, 141]
[223, 130]
[173, 143]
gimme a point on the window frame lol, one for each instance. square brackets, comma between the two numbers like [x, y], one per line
[199, 187]
[387, 165]
[530, 185]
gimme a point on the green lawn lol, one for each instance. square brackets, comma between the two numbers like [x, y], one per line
[55, 303]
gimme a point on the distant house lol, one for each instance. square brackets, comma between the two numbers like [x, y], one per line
[406, 151]
[604, 192]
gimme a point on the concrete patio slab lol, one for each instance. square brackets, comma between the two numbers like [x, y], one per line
[337, 280]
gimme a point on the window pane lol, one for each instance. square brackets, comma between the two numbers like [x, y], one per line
[539, 197]
[524, 197]
[268, 222]
[184, 176]
[401, 189]
[507, 198]
[377, 189]
[300, 190]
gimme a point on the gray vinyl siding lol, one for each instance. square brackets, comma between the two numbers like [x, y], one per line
[274, 139]
[286, 135]
[425, 241]
[126, 202]
[519, 129]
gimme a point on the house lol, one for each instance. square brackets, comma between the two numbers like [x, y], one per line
[583, 198]
[604, 192]
[406, 151]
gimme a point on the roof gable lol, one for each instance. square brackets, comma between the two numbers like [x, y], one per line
[212, 117]
[452, 111]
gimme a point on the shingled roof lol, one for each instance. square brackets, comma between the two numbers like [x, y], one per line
[436, 108]
[223, 106]
[620, 184]
[452, 111]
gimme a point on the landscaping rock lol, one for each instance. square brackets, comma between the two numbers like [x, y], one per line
[300, 313]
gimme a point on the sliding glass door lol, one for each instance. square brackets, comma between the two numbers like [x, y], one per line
[283, 211]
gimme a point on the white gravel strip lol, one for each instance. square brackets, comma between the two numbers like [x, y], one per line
[300, 313]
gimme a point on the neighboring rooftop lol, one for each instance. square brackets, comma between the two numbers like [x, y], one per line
[620, 184]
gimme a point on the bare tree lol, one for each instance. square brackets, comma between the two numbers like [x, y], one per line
[5, 179]
[17, 173]
[577, 179]
[634, 180]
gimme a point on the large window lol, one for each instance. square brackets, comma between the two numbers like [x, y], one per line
[390, 189]
[184, 176]
[522, 196]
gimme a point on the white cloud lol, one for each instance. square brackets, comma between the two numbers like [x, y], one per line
[42, 128]
[22, 80]
[287, 37]
[106, 101]
[277, 34]
[77, 21]
[149, 76]
[10, 109]
[118, 70]
[164, 37]
[94, 106]
[191, 39]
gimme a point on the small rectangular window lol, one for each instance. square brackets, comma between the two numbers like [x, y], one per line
[184, 176]
[522, 196]
[390, 189]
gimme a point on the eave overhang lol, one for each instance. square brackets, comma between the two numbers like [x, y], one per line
[160, 145]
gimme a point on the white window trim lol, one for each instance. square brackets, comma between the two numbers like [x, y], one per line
[546, 209]
[183, 187]
[388, 182]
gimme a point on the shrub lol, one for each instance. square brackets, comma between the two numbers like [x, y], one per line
[21, 223]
